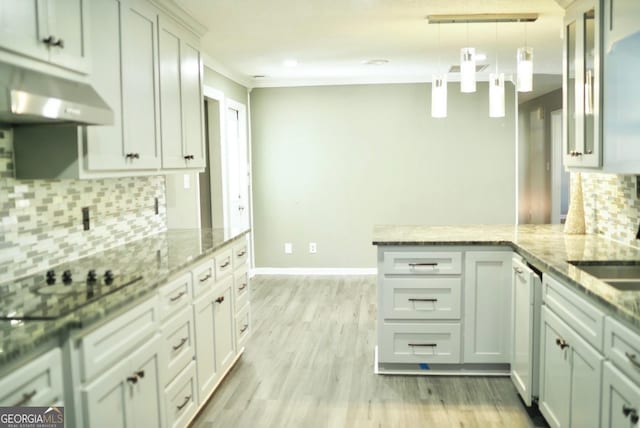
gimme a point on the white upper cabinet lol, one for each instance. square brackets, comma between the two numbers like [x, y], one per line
[582, 85]
[181, 102]
[621, 32]
[52, 31]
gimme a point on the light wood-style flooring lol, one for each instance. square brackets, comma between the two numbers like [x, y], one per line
[309, 363]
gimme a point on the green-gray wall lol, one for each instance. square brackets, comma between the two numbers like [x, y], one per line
[230, 88]
[330, 162]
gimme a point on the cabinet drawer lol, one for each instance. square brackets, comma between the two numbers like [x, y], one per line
[175, 295]
[224, 264]
[204, 276]
[582, 316]
[241, 288]
[112, 341]
[421, 298]
[622, 347]
[240, 252]
[243, 326]
[38, 383]
[420, 343]
[181, 398]
[178, 341]
[422, 263]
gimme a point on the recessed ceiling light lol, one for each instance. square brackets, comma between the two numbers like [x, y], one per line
[259, 76]
[290, 62]
[376, 62]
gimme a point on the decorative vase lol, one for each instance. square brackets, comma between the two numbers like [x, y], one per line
[574, 224]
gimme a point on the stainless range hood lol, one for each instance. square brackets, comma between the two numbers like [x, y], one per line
[28, 97]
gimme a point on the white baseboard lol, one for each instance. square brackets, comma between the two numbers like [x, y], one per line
[313, 271]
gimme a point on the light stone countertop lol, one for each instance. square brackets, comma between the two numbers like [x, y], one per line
[156, 258]
[544, 246]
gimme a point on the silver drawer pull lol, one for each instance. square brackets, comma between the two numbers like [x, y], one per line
[184, 403]
[205, 278]
[225, 264]
[242, 287]
[181, 344]
[179, 295]
[632, 359]
[244, 328]
[430, 345]
[241, 253]
[422, 300]
[423, 264]
[26, 397]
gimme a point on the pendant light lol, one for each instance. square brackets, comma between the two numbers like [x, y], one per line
[467, 68]
[524, 73]
[496, 88]
[439, 89]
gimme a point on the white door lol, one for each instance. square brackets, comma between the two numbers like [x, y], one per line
[586, 375]
[523, 330]
[237, 166]
[223, 320]
[204, 317]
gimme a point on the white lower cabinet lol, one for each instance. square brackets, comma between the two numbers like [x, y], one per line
[487, 305]
[620, 399]
[181, 398]
[37, 383]
[128, 394]
[570, 375]
[223, 324]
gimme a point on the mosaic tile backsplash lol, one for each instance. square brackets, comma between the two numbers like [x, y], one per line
[611, 208]
[41, 220]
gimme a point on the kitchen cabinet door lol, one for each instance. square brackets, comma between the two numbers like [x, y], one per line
[582, 86]
[23, 27]
[68, 24]
[223, 322]
[555, 370]
[181, 97]
[106, 399]
[204, 322]
[487, 306]
[52, 31]
[140, 85]
[586, 377]
[147, 399]
[620, 399]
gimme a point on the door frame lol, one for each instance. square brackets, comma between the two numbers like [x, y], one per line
[241, 108]
[557, 150]
[217, 95]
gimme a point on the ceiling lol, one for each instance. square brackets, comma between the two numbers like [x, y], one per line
[333, 39]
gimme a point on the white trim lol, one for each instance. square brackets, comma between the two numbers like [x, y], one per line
[313, 271]
[216, 66]
[556, 166]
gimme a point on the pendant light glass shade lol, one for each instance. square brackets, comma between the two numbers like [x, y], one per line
[496, 95]
[439, 95]
[524, 76]
[467, 70]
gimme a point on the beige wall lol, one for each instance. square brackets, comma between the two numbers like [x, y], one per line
[330, 162]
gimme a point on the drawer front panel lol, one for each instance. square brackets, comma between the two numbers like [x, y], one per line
[204, 277]
[38, 383]
[241, 288]
[175, 295]
[421, 298]
[181, 398]
[420, 343]
[582, 316]
[422, 263]
[179, 344]
[224, 263]
[243, 326]
[622, 347]
[240, 252]
[109, 343]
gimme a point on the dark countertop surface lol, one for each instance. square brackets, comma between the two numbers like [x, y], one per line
[544, 246]
[155, 258]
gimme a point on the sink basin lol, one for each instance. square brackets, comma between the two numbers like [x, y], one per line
[623, 275]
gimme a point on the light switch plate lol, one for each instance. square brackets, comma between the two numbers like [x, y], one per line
[288, 248]
[187, 181]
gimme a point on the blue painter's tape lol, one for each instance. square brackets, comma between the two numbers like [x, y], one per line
[424, 366]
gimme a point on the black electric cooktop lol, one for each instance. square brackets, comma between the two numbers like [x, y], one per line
[54, 294]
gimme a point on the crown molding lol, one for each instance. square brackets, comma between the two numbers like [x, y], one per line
[181, 15]
[218, 67]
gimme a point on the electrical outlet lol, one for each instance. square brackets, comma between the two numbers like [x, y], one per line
[156, 206]
[312, 248]
[288, 248]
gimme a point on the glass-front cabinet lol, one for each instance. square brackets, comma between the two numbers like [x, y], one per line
[582, 85]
